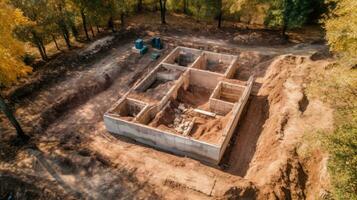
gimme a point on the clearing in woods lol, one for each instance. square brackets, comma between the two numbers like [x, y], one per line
[76, 157]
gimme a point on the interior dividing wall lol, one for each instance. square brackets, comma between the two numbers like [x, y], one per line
[237, 111]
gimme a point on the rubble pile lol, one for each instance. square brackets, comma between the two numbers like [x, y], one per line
[182, 122]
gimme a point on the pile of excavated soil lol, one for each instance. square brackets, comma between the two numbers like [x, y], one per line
[210, 130]
[267, 137]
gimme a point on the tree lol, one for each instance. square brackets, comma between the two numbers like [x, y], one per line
[11, 66]
[185, 6]
[139, 6]
[35, 32]
[4, 108]
[163, 11]
[287, 14]
[341, 30]
[220, 13]
[84, 7]
[11, 50]
[63, 18]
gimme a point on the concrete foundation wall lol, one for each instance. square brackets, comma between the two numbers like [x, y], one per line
[226, 59]
[149, 79]
[163, 140]
[136, 128]
[232, 68]
[220, 107]
[128, 107]
[195, 53]
[237, 111]
[204, 79]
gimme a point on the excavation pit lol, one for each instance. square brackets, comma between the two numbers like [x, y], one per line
[183, 57]
[156, 85]
[189, 111]
[128, 109]
[215, 62]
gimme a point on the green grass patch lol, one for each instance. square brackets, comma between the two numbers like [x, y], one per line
[337, 86]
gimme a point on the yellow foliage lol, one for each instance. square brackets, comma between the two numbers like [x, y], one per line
[341, 29]
[11, 50]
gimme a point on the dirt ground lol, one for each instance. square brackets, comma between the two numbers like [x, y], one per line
[72, 156]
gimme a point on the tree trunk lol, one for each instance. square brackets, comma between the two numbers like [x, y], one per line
[12, 119]
[43, 48]
[111, 24]
[65, 33]
[185, 6]
[84, 24]
[139, 7]
[40, 50]
[163, 11]
[74, 31]
[220, 16]
[283, 32]
[98, 31]
[198, 11]
[37, 41]
[122, 25]
[55, 41]
[285, 21]
[91, 29]
[66, 39]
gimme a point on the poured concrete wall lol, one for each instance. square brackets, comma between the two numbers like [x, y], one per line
[138, 130]
[205, 79]
[163, 140]
[220, 107]
[170, 59]
[237, 111]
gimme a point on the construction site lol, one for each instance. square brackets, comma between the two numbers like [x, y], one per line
[202, 115]
[184, 105]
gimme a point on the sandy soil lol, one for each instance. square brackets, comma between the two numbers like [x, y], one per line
[73, 156]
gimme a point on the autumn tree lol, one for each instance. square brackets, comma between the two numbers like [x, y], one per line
[90, 12]
[62, 18]
[35, 32]
[341, 30]
[11, 65]
[11, 50]
[83, 7]
[341, 34]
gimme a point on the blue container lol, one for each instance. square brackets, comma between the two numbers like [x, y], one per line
[143, 50]
[156, 43]
[139, 44]
[155, 56]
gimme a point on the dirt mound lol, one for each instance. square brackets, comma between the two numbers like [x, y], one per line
[259, 37]
[242, 191]
[65, 64]
[195, 96]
